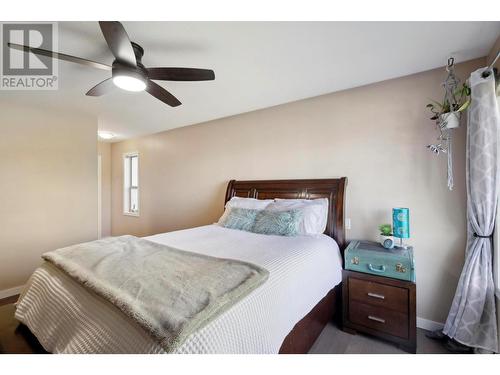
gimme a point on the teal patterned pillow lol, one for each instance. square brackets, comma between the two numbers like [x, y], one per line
[240, 218]
[280, 223]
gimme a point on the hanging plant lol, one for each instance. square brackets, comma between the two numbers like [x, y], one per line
[448, 112]
[447, 115]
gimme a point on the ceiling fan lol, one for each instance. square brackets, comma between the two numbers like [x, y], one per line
[127, 70]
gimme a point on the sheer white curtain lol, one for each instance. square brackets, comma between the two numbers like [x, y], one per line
[496, 254]
[472, 319]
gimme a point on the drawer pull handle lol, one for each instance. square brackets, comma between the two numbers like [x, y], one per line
[381, 269]
[380, 320]
[375, 295]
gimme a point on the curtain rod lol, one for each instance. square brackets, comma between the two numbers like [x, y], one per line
[488, 70]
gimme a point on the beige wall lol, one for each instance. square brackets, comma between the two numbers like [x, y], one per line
[375, 135]
[104, 151]
[48, 186]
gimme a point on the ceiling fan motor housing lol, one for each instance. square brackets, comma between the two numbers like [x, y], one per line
[138, 51]
[139, 71]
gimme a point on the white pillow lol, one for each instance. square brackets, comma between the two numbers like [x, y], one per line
[314, 211]
[252, 203]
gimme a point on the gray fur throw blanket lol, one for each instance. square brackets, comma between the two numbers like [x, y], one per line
[169, 292]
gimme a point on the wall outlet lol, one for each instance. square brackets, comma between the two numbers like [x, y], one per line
[347, 224]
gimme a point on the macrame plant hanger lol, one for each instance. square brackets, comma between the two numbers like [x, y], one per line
[445, 145]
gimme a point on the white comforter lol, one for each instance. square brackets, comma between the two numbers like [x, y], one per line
[68, 318]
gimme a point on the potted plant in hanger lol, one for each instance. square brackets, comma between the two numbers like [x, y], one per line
[447, 114]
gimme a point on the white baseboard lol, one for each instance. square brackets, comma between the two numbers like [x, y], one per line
[429, 325]
[11, 292]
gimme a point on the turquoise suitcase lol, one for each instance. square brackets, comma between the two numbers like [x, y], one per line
[371, 257]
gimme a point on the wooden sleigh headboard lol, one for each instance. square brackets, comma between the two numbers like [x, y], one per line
[333, 189]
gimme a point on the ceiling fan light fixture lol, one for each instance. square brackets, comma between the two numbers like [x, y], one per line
[129, 82]
[105, 134]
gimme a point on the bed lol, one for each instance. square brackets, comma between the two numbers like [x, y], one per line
[284, 315]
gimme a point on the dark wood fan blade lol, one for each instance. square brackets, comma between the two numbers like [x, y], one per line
[161, 94]
[102, 88]
[60, 56]
[181, 74]
[118, 42]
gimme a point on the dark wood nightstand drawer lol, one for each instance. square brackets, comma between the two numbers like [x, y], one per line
[380, 306]
[379, 318]
[376, 294]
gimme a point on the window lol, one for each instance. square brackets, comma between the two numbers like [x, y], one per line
[131, 184]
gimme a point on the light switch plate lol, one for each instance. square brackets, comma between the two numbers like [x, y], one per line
[348, 224]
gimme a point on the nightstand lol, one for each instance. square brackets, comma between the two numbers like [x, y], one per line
[380, 306]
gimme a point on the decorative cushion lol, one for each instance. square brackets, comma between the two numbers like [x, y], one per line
[280, 223]
[239, 218]
[237, 202]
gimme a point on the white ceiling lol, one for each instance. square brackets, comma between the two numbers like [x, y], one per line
[257, 65]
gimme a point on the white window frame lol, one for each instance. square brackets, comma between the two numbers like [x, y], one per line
[127, 183]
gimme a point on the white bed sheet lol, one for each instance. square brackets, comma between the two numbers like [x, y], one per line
[68, 318]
